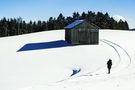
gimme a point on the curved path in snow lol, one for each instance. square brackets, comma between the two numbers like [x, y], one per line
[124, 60]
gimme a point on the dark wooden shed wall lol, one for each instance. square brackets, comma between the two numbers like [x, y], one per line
[83, 33]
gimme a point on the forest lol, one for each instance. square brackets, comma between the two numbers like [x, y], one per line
[18, 26]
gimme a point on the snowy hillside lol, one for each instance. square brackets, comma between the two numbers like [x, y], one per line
[53, 68]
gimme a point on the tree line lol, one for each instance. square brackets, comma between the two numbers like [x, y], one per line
[17, 26]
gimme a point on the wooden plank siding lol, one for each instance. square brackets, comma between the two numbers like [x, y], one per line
[83, 33]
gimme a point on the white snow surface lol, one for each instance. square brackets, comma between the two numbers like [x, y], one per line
[51, 69]
[118, 18]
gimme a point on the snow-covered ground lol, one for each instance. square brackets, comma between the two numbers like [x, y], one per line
[51, 69]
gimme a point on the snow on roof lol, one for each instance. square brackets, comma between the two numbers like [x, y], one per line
[74, 23]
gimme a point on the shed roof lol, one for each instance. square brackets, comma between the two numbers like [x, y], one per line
[76, 22]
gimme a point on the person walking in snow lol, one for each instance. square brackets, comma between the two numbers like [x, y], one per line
[109, 65]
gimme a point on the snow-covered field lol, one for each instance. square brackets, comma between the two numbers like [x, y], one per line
[51, 69]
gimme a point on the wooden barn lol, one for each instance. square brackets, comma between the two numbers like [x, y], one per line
[81, 32]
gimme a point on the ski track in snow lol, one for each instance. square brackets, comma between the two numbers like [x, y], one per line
[112, 46]
[100, 70]
[125, 62]
[122, 49]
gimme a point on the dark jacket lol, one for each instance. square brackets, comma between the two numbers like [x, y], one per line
[109, 64]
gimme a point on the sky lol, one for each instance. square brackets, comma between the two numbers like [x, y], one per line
[43, 9]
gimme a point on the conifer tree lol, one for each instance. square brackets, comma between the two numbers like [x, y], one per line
[16, 26]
